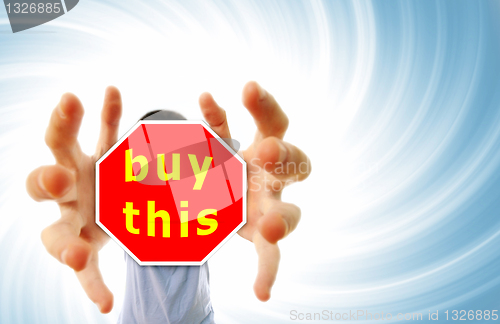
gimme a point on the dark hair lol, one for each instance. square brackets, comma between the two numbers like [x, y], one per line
[162, 115]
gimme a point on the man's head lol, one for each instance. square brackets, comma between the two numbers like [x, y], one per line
[162, 115]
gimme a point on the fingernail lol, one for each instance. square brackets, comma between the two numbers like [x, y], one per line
[63, 256]
[283, 152]
[59, 110]
[42, 186]
[262, 92]
[286, 225]
[99, 306]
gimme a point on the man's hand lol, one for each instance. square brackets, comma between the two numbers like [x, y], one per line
[75, 239]
[272, 165]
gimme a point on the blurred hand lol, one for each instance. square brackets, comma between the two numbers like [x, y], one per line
[272, 164]
[75, 239]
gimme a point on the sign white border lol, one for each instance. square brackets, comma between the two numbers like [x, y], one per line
[171, 122]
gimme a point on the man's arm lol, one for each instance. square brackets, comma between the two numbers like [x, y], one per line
[75, 239]
[272, 165]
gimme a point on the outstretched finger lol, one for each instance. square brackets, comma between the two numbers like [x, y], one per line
[63, 242]
[51, 182]
[62, 133]
[214, 115]
[279, 220]
[269, 259]
[92, 282]
[110, 120]
[270, 119]
[284, 160]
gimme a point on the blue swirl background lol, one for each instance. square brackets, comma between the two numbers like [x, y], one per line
[396, 102]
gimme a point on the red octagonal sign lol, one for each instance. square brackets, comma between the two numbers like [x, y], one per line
[170, 192]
